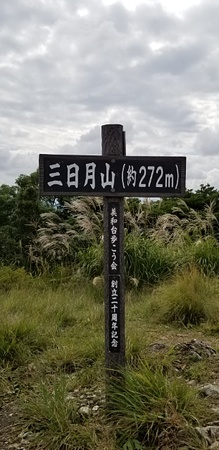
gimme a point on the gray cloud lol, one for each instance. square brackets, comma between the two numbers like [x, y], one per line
[208, 142]
[68, 67]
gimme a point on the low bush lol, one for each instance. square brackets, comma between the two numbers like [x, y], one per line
[190, 299]
[11, 277]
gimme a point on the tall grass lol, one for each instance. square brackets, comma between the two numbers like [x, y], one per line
[91, 261]
[151, 409]
[11, 277]
[190, 299]
[185, 225]
[19, 341]
[145, 261]
[54, 421]
[205, 254]
[51, 322]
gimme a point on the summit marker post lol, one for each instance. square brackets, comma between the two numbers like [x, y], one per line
[113, 145]
[113, 176]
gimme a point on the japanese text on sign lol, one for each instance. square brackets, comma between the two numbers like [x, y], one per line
[114, 277]
[73, 175]
[114, 304]
[113, 238]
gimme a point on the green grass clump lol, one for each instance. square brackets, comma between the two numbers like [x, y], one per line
[190, 299]
[54, 420]
[146, 262]
[205, 255]
[75, 353]
[19, 341]
[11, 277]
[150, 409]
[90, 261]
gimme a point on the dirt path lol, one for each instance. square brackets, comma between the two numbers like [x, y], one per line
[8, 434]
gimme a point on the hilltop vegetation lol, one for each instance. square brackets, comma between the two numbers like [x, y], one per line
[41, 234]
[52, 375]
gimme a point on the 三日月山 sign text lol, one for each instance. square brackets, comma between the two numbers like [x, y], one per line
[119, 176]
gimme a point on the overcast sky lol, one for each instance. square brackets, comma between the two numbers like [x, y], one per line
[69, 66]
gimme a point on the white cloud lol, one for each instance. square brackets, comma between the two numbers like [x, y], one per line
[68, 67]
[213, 177]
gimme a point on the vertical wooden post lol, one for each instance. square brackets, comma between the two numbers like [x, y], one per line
[113, 144]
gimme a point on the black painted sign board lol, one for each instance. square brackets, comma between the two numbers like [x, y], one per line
[142, 176]
[113, 176]
[114, 276]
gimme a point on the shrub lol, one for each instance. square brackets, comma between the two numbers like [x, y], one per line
[191, 298]
[10, 277]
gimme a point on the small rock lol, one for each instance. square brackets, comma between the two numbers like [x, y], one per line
[213, 431]
[95, 408]
[194, 356]
[214, 446]
[85, 410]
[70, 396]
[199, 348]
[98, 281]
[91, 396]
[203, 433]
[157, 346]
[209, 433]
[15, 447]
[210, 390]
[191, 382]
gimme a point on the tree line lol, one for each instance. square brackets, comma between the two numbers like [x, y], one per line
[48, 231]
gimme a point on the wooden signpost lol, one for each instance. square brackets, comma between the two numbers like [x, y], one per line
[113, 176]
